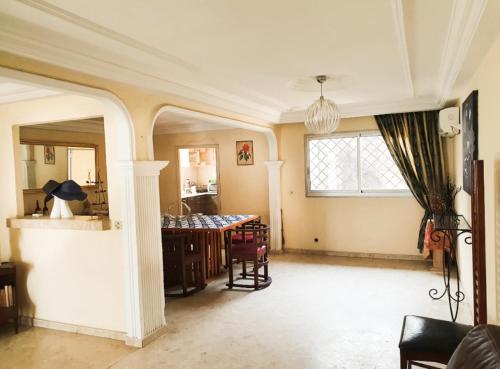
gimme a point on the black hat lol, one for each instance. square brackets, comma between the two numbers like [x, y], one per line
[68, 190]
[49, 188]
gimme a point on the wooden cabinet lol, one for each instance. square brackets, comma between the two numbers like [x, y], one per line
[202, 203]
[8, 278]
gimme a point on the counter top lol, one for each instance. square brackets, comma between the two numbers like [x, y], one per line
[78, 222]
[185, 196]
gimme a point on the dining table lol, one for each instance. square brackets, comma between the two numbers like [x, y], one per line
[209, 230]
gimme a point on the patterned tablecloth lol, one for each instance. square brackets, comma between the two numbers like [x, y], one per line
[220, 222]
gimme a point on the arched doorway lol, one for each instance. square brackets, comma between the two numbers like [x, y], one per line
[134, 212]
[273, 165]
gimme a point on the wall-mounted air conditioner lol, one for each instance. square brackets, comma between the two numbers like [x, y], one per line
[449, 122]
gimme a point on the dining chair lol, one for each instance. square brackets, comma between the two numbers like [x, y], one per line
[433, 340]
[237, 237]
[253, 247]
[183, 263]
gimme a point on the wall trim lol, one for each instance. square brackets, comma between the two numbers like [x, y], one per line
[399, 23]
[72, 328]
[349, 254]
[140, 343]
[464, 21]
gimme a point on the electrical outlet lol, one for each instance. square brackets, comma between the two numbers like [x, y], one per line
[118, 224]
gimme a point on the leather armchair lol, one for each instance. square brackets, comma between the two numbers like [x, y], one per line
[480, 349]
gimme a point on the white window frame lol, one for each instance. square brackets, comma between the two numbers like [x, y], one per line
[340, 193]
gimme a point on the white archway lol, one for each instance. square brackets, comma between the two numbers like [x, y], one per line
[139, 210]
[273, 165]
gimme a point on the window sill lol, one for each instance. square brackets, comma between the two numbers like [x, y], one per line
[362, 195]
[79, 222]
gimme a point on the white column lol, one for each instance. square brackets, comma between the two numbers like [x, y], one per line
[143, 259]
[274, 177]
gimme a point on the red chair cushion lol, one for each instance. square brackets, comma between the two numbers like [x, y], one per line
[238, 237]
[243, 250]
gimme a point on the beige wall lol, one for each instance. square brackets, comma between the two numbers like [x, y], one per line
[27, 133]
[487, 81]
[385, 225]
[72, 277]
[244, 189]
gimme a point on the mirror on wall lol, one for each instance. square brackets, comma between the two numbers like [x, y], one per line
[41, 162]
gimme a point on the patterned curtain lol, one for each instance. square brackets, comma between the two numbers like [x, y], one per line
[416, 147]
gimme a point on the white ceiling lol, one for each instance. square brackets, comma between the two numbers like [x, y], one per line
[174, 122]
[258, 58]
[13, 91]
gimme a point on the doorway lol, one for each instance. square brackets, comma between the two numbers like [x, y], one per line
[198, 176]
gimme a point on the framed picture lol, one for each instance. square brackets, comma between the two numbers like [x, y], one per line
[244, 152]
[469, 139]
[49, 155]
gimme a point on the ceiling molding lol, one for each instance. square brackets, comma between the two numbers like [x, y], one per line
[399, 22]
[105, 32]
[175, 128]
[25, 42]
[82, 126]
[361, 110]
[464, 21]
[28, 95]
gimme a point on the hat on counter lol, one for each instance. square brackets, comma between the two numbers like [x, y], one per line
[68, 190]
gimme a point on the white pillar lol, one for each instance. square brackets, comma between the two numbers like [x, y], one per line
[143, 259]
[274, 177]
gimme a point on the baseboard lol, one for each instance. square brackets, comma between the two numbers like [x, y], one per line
[355, 254]
[140, 343]
[72, 328]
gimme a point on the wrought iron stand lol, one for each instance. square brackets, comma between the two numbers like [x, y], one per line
[448, 229]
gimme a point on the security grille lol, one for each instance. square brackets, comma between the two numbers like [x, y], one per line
[354, 164]
[378, 170]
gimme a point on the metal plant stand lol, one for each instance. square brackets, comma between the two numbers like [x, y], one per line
[448, 229]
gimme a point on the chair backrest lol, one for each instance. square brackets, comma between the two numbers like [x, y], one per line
[480, 349]
[478, 243]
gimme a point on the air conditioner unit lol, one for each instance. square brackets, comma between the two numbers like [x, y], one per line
[449, 122]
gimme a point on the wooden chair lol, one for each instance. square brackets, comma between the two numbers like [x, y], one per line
[237, 237]
[433, 340]
[183, 263]
[252, 247]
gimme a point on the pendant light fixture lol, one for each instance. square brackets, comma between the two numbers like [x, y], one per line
[322, 116]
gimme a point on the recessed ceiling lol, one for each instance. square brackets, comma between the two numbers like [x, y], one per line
[177, 120]
[90, 125]
[13, 91]
[258, 58]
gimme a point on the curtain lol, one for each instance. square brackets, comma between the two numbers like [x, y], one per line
[415, 145]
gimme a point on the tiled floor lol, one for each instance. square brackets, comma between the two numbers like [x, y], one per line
[320, 312]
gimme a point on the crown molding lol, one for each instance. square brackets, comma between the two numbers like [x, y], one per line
[75, 19]
[399, 23]
[20, 38]
[365, 109]
[81, 126]
[27, 95]
[464, 21]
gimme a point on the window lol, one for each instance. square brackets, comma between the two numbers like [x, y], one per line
[351, 164]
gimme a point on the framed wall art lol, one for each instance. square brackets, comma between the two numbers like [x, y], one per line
[49, 155]
[469, 138]
[244, 152]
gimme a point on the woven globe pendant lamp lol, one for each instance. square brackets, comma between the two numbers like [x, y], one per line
[323, 116]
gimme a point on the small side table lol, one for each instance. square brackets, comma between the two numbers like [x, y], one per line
[8, 278]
